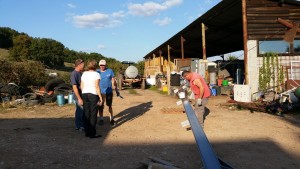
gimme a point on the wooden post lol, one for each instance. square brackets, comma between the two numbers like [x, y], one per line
[169, 58]
[169, 78]
[182, 47]
[169, 71]
[154, 59]
[203, 41]
[245, 38]
[160, 65]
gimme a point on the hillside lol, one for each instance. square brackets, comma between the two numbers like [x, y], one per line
[3, 53]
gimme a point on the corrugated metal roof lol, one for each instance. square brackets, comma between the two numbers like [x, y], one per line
[224, 33]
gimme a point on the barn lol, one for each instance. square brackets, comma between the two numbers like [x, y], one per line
[258, 28]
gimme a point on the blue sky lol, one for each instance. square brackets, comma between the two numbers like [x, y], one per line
[126, 30]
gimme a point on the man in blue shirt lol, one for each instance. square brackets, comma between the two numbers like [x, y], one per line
[107, 84]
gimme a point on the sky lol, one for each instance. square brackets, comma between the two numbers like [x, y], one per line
[126, 30]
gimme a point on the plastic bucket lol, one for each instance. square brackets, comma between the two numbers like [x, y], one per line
[220, 82]
[213, 92]
[70, 98]
[165, 88]
[225, 82]
[60, 99]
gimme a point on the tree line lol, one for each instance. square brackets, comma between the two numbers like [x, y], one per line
[49, 52]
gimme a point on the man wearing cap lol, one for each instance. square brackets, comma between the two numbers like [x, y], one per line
[75, 82]
[107, 84]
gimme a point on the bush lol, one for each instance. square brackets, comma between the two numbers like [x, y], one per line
[22, 73]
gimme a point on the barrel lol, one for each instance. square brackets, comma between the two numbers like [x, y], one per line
[70, 98]
[60, 99]
[212, 78]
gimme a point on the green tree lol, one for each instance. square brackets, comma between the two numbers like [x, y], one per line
[47, 51]
[70, 55]
[21, 47]
[6, 37]
[232, 57]
[140, 66]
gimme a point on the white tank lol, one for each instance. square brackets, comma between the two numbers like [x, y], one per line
[131, 72]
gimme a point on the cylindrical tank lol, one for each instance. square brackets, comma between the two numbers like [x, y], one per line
[212, 78]
[238, 76]
[131, 72]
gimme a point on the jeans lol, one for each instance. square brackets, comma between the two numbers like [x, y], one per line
[79, 115]
[90, 111]
[200, 111]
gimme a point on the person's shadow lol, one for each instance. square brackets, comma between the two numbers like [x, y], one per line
[132, 113]
[206, 113]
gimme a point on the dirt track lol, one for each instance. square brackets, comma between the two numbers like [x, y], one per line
[44, 136]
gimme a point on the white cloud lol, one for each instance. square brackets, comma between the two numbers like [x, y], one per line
[96, 20]
[163, 22]
[151, 8]
[119, 14]
[71, 5]
[101, 46]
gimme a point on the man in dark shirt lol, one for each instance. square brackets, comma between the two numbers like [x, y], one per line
[75, 82]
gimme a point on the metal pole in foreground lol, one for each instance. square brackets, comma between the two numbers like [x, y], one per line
[210, 160]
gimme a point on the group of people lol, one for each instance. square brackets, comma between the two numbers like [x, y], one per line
[92, 89]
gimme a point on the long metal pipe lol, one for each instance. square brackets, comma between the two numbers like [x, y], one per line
[210, 160]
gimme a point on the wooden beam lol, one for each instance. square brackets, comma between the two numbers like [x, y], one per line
[245, 39]
[287, 24]
[182, 40]
[203, 41]
[160, 63]
[169, 57]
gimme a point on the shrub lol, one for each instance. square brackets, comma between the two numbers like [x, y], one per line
[22, 73]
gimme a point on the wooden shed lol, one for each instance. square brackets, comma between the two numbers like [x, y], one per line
[254, 26]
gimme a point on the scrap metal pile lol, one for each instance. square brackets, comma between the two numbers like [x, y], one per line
[12, 94]
[270, 102]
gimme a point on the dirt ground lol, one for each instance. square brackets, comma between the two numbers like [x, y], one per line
[148, 124]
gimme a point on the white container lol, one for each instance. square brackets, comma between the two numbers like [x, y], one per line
[212, 78]
[242, 93]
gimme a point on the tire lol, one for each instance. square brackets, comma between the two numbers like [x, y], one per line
[49, 99]
[51, 84]
[61, 91]
[63, 86]
[29, 96]
[11, 89]
[30, 102]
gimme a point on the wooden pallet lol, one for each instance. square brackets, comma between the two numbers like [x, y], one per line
[172, 110]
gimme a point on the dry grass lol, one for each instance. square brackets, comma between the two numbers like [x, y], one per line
[3, 54]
